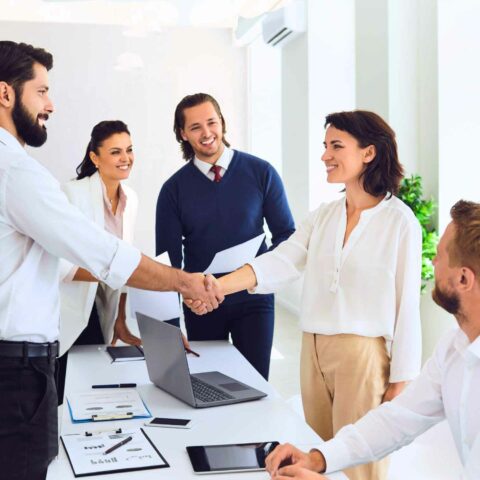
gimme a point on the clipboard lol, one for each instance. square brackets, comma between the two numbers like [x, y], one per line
[106, 404]
[86, 453]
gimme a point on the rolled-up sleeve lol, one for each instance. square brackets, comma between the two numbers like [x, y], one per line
[61, 228]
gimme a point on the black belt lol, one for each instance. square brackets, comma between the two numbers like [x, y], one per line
[28, 349]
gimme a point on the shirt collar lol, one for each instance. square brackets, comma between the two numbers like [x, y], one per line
[10, 141]
[122, 199]
[223, 161]
[465, 347]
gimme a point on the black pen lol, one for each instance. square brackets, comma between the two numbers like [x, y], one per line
[188, 350]
[116, 385]
[117, 445]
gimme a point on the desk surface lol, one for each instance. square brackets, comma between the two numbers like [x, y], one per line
[267, 419]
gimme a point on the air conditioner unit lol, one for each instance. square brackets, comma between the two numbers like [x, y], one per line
[283, 25]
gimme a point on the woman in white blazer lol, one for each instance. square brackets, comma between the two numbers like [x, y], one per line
[91, 312]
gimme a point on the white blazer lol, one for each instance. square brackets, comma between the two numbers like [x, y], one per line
[76, 298]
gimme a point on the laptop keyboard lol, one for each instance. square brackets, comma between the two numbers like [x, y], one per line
[207, 393]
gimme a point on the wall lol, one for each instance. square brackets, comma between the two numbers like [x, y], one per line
[87, 88]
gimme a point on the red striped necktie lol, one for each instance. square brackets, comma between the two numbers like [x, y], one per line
[216, 170]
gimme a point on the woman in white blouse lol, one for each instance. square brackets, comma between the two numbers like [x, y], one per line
[91, 312]
[361, 257]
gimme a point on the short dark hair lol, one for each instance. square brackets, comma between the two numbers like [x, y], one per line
[179, 120]
[17, 61]
[101, 131]
[384, 173]
[464, 249]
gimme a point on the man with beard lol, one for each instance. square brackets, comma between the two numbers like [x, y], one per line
[37, 226]
[448, 387]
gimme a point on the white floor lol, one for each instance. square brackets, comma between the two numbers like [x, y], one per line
[432, 456]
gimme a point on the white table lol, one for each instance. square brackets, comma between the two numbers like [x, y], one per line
[267, 419]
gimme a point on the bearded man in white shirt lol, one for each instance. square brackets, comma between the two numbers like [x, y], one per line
[448, 387]
[37, 226]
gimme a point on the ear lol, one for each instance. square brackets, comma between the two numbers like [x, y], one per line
[182, 134]
[93, 158]
[370, 154]
[467, 279]
[7, 95]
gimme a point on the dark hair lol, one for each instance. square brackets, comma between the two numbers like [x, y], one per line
[384, 173]
[17, 61]
[179, 120]
[101, 131]
[464, 250]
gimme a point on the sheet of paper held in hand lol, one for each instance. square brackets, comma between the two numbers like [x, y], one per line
[158, 305]
[235, 257]
[87, 453]
[106, 404]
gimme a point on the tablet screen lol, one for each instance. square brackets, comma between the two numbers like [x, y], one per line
[229, 458]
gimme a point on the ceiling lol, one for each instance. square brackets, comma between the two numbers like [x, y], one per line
[140, 16]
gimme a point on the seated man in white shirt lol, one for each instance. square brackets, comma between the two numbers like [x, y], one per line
[448, 387]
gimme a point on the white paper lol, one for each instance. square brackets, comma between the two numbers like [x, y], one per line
[106, 402]
[86, 454]
[158, 305]
[235, 257]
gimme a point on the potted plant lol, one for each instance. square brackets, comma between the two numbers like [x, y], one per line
[411, 192]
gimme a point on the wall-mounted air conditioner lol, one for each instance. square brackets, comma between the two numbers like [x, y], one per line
[283, 25]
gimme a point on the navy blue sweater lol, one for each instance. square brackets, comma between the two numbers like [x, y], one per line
[207, 217]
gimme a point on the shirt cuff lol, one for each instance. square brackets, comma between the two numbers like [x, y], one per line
[69, 276]
[336, 455]
[259, 276]
[125, 261]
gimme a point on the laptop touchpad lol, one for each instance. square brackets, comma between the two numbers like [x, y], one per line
[233, 386]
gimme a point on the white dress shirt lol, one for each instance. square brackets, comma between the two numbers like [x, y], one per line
[223, 162]
[369, 287]
[448, 387]
[37, 226]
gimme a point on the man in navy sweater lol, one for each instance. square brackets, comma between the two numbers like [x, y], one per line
[220, 199]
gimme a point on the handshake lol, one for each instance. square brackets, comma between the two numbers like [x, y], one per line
[201, 293]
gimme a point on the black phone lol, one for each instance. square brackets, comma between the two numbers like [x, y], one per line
[169, 422]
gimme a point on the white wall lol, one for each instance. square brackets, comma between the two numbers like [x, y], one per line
[86, 88]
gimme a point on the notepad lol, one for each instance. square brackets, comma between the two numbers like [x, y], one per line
[86, 454]
[111, 404]
[126, 354]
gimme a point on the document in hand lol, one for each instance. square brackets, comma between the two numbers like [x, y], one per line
[235, 257]
[159, 305]
[107, 404]
[87, 453]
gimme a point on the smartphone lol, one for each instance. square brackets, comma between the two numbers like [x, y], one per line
[169, 422]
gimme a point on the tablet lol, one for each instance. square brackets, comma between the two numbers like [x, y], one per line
[243, 457]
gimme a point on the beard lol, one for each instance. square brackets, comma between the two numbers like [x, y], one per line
[27, 126]
[448, 301]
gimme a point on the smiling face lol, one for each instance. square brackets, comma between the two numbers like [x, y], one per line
[32, 108]
[204, 131]
[115, 157]
[344, 159]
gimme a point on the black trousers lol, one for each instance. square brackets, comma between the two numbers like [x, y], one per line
[28, 417]
[250, 324]
[91, 335]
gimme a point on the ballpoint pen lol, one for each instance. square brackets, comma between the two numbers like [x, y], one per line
[117, 445]
[116, 385]
[188, 350]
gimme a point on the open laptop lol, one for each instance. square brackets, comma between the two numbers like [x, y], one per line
[168, 369]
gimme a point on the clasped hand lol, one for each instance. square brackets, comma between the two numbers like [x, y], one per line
[203, 294]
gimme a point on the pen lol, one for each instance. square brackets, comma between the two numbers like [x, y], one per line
[188, 350]
[117, 445]
[116, 385]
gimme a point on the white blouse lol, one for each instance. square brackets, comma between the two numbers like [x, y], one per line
[369, 287]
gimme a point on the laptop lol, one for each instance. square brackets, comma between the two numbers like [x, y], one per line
[168, 369]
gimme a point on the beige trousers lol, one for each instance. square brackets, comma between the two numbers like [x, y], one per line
[343, 377]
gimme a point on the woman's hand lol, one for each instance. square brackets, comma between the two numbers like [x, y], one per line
[393, 390]
[122, 332]
[197, 306]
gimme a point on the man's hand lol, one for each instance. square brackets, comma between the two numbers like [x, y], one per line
[393, 390]
[298, 473]
[121, 332]
[198, 306]
[288, 454]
